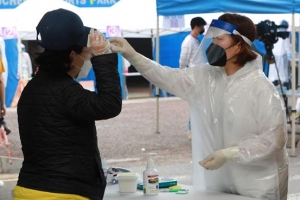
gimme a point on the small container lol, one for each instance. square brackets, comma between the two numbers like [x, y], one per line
[127, 182]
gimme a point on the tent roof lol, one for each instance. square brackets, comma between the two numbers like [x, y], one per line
[135, 18]
[180, 7]
[29, 13]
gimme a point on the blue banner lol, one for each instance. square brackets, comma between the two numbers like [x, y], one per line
[10, 4]
[93, 3]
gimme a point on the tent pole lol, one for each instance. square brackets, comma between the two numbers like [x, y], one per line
[298, 79]
[293, 150]
[156, 88]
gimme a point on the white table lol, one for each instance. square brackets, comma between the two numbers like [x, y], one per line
[112, 193]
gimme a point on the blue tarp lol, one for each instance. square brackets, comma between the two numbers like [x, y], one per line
[11, 50]
[169, 54]
[91, 76]
[170, 47]
[181, 7]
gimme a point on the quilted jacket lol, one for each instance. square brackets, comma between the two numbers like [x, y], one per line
[56, 118]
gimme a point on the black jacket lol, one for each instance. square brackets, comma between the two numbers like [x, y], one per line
[56, 118]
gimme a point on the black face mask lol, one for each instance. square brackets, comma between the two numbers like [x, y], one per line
[216, 55]
[201, 32]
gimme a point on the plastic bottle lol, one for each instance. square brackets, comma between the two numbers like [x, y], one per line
[150, 178]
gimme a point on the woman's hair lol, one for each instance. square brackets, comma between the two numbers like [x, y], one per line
[58, 61]
[245, 27]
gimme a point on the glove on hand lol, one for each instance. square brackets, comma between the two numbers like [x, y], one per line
[218, 158]
[120, 45]
[98, 43]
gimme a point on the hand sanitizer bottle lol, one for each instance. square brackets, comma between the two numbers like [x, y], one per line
[150, 178]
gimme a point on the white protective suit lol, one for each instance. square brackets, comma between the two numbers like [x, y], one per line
[240, 117]
[243, 112]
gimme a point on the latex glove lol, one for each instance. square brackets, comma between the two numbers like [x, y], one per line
[120, 45]
[218, 158]
[98, 44]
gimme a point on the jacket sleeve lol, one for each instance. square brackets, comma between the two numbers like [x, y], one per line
[272, 134]
[82, 104]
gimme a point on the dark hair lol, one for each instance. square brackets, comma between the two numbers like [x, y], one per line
[197, 21]
[58, 61]
[245, 27]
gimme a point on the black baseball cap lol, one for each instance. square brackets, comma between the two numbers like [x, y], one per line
[61, 29]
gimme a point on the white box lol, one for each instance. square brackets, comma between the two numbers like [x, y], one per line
[127, 182]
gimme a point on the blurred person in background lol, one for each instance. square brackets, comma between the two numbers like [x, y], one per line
[25, 70]
[2, 99]
[191, 42]
[281, 51]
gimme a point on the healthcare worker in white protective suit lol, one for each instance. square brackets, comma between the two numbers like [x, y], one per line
[281, 51]
[238, 119]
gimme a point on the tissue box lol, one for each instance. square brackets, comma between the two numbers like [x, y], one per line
[163, 183]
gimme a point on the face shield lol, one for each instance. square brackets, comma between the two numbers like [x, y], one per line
[209, 51]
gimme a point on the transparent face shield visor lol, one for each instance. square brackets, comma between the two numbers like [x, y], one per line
[207, 50]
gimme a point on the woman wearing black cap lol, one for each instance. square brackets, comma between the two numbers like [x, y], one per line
[57, 115]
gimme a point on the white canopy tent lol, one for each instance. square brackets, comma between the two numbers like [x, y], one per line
[136, 18]
[27, 15]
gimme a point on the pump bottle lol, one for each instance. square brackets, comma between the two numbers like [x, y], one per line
[150, 178]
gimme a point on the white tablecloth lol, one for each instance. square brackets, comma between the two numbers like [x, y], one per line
[112, 193]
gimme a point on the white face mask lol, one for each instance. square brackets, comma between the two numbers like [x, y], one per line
[85, 69]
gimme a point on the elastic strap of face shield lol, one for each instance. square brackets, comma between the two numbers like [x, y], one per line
[235, 32]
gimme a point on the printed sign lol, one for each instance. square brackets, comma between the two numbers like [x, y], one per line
[5, 4]
[173, 21]
[113, 31]
[9, 32]
[9, 4]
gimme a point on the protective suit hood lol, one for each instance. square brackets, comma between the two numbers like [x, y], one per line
[253, 65]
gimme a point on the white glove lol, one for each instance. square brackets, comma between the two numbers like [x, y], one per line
[218, 158]
[98, 43]
[120, 45]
